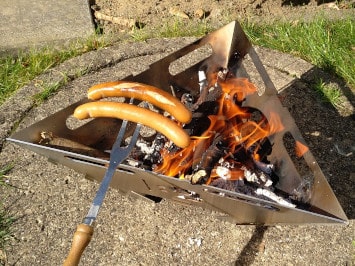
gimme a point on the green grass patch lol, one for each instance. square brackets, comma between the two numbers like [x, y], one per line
[17, 71]
[184, 28]
[328, 44]
[6, 221]
[328, 93]
[48, 90]
[172, 29]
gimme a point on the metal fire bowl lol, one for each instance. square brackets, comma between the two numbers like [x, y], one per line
[227, 45]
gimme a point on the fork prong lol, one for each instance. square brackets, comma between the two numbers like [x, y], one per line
[122, 131]
[134, 136]
[123, 126]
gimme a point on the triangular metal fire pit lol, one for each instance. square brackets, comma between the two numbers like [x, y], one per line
[226, 45]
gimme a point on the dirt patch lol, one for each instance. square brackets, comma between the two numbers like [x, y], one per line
[120, 15]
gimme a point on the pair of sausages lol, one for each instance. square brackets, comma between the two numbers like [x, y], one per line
[124, 111]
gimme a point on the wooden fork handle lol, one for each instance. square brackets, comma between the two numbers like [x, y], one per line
[81, 239]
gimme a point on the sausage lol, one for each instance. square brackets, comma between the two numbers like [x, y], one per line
[135, 114]
[143, 92]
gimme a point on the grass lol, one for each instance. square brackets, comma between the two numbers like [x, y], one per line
[17, 71]
[328, 92]
[173, 29]
[328, 44]
[48, 90]
[181, 28]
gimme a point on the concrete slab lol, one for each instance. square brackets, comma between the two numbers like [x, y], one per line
[51, 199]
[32, 23]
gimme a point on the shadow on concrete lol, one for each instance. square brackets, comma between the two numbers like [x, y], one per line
[252, 248]
[329, 134]
[323, 128]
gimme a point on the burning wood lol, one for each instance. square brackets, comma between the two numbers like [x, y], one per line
[228, 141]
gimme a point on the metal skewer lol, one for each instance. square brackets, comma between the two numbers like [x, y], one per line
[85, 230]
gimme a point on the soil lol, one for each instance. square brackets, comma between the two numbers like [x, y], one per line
[120, 15]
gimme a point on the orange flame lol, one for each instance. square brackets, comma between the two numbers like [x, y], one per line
[236, 126]
[300, 149]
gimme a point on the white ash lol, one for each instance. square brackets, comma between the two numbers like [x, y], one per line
[145, 147]
[251, 177]
[261, 179]
[271, 195]
[188, 100]
[132, 162]
[225, 163]
[268, 183]
[197, 176]
[224, 169]
[223, 172]
[202, 79]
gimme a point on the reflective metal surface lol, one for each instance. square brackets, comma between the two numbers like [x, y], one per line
[228, 43]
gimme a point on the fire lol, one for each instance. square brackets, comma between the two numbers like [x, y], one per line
[232, 132]
[300, 149]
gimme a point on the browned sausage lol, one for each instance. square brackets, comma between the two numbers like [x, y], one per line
[143, 92]
[135, 114]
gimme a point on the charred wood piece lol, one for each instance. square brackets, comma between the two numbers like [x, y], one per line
[209, 89]
[264, 167]
[149, 152]
[188, 100]
[208, 160]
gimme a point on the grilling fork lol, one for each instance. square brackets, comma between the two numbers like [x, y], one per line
[85, 230]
